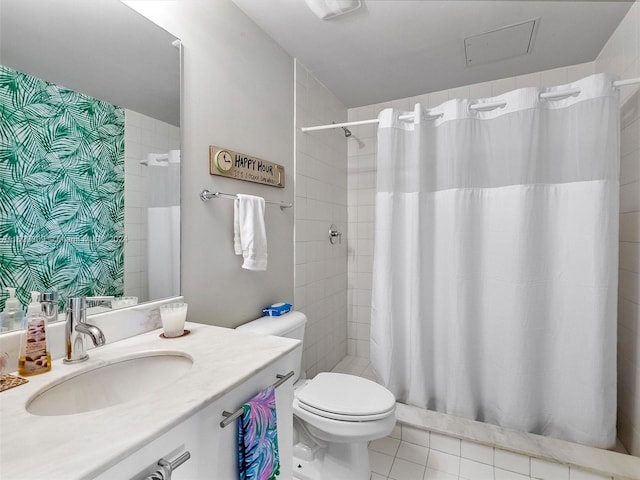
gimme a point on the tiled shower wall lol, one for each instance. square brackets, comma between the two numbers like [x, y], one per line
[621, 56]
[143, 135]
[320, 200]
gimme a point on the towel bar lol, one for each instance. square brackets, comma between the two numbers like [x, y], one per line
[231, 417]
[206, 195]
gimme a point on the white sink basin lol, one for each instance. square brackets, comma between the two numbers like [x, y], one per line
[111, 384]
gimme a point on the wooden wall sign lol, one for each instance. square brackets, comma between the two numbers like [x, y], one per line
[227, 163]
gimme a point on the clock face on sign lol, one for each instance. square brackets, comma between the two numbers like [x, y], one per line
[224, 161]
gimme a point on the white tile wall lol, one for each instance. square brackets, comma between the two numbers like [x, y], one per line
[621, 56]
[320, 200]
[362, 178]
[512, 462]
[142, 135]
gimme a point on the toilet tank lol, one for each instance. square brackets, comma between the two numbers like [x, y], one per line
[289, 325]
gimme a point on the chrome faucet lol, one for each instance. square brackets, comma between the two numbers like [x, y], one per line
[77, 327]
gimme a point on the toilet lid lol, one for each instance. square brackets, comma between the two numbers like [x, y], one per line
[336, 395]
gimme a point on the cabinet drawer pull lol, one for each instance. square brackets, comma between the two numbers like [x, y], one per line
[176, 463]
[167, 467]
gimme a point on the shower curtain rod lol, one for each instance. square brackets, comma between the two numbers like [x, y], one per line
[555, 95]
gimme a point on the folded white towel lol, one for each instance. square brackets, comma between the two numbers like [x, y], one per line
[249, 234]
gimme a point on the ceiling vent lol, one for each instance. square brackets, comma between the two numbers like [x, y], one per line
[328, 9]
[505, 42]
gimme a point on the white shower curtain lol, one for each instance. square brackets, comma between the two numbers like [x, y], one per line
[163, 251]
[163, 230]
[495, 261]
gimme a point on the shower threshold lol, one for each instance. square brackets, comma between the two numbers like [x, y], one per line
[603, 462]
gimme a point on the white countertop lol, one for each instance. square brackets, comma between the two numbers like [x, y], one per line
[82, 445]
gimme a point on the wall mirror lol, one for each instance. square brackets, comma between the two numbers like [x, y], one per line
[89, 152]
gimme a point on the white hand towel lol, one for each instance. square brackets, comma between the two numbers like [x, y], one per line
[250, 236]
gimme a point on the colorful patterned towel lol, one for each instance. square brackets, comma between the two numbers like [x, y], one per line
[258, 457]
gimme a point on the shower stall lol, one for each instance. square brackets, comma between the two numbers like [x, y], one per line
[495, 274]
[363, 164]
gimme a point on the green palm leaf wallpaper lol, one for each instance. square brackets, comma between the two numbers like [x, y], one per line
[61, 190]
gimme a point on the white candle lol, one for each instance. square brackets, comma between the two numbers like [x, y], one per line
[173, 317]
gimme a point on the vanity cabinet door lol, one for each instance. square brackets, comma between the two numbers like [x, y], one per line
[213, 449]
[217, 447]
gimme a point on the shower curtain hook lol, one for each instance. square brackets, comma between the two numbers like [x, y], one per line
[417, 113]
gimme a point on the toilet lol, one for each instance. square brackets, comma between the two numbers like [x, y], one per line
[335, 415]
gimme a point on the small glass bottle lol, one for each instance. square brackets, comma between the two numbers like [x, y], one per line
[35, 356]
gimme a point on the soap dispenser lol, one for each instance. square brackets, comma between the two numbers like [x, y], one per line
[34, 348]
[11, 318]
[34, 308]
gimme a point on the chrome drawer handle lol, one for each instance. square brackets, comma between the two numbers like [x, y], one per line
[168, 467]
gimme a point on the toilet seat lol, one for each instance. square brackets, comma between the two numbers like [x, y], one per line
[345, 397]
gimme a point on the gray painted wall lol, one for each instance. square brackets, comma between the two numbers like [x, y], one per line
[237, 93]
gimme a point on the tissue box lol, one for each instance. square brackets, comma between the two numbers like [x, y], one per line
[276, 310]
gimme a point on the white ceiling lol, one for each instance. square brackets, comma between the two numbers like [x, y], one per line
[100, 47]
[392, 49]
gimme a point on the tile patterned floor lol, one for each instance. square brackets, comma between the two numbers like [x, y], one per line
[410, 453]
[414, 454]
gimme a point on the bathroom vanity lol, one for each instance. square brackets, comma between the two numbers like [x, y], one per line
[170, 400]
